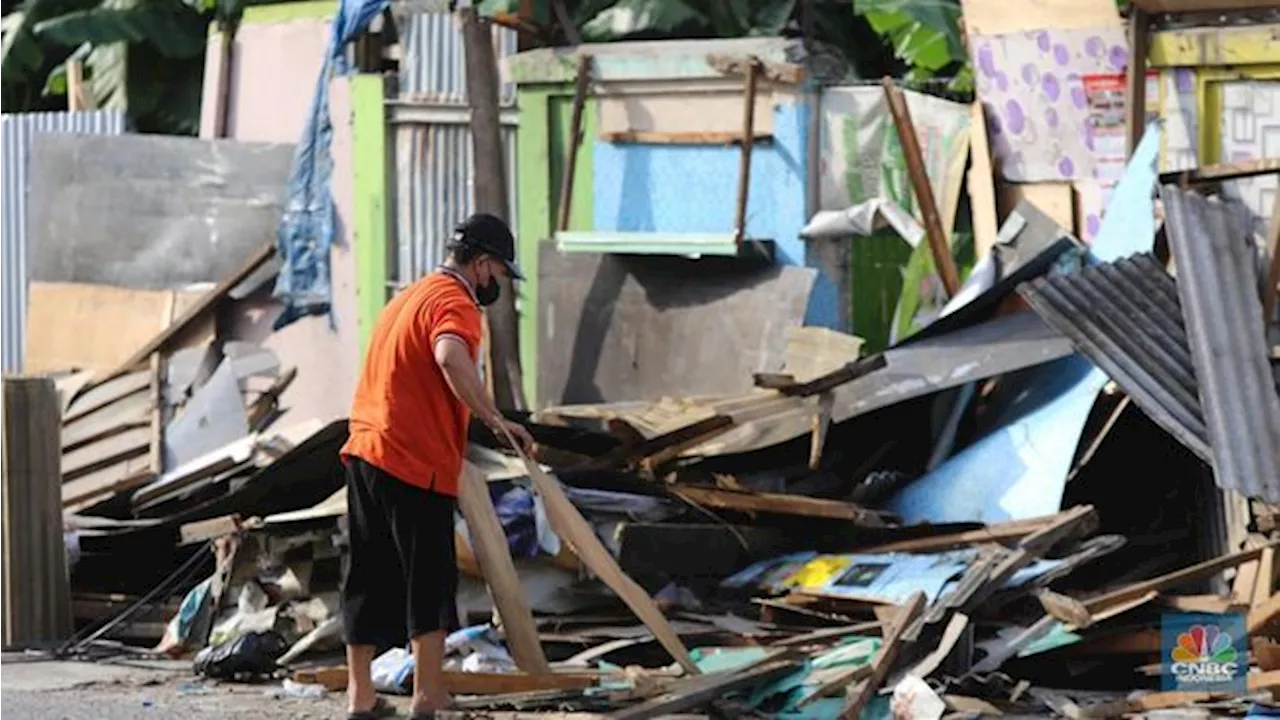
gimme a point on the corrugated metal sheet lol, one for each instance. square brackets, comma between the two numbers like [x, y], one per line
[1217, 283]
[16, 131]
[1125, 316]
[434, 65]
[435, 184]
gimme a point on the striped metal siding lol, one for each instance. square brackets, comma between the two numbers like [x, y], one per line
[16, 132]
[434, 66]
[1218, 287]
[435, 171]
[435, 190]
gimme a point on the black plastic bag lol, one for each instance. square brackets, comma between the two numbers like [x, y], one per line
[249, 655]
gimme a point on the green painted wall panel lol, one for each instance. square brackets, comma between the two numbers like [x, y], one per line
[545, 115]
[369, 226]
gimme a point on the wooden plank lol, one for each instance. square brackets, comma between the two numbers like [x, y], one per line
[573, 529]
[1077, 521]
[997, 533]
[956, 627]
[1199, 571]
[884, 659]
[981, 184]
[827, 634]
[90, 327]
[848, 373]
[1209, 604]
[195, 312]
[1266, 582]
[105, 452]
[103, 394]
[1156, 7]
[489, 543]
[912, 153]
[582, 81]
[752, 72]
[208, 529]
[1057, 200]
[69, 386]
[1257, 682]
[1220, 172]
[993, 17]
[1264, 614]
[778, 504]
[786, 73]
[124, 475]
[819, 426]
[693, 692]
[131, 411]
[1245, 580]
[658, 447]
[679, 137]
[156, 414]
[1136, 78]
[467, 683]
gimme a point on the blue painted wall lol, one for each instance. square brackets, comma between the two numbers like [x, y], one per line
[682, 188]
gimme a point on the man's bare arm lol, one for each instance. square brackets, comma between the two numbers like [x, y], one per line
[460, 372]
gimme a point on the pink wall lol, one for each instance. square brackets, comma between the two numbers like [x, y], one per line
[273, 77]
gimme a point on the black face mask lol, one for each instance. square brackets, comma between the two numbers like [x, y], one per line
[488, 293]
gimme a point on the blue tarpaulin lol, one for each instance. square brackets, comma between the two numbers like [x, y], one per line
[307, 228]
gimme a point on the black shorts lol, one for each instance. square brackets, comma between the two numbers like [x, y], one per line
[402, 572]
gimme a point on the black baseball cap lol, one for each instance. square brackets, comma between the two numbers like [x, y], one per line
[489, 234]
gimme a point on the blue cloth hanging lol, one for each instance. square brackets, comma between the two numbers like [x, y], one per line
[306, 230]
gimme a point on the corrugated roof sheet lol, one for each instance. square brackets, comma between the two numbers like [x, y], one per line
[1218, 287]
[1125, 316]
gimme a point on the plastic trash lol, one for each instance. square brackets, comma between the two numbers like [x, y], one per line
[393, 671]
[249, 655]
[300, 691]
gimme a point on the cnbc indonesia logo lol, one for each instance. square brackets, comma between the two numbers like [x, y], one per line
[1204, 654]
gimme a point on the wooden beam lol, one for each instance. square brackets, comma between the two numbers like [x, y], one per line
[690, 693]
[658, 137]
[997, 533]
[208, 529]
[1263, 615]
[884, 659]
[1136, 78]
[573, 529]
[1199, 571]
[827, 634]
[937, 237]
[752, 72]
[848, 373]
[819, 425]
[490, 195]
[981, 184]
[778, 504]
[489, 543]
[575, 142]
[784, 73]
[466, 683]
[1221, 172]
[1257, 682]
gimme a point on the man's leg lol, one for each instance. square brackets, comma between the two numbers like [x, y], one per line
[373, 589]
[361, 694]
[429, 691]
[423, 527]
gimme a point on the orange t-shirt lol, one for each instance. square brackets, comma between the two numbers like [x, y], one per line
[405, 419]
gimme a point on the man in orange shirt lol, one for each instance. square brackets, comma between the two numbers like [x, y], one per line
[418, 389]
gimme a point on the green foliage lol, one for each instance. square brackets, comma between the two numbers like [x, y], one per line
[142, 56]
[924, 34]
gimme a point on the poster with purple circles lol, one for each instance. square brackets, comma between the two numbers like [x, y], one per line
[1032, 84]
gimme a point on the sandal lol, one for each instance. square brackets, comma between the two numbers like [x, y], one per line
[381, 709]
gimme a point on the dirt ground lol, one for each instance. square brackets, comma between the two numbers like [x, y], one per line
[148, 690]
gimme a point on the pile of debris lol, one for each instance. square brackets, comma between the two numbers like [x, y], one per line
[976, 520]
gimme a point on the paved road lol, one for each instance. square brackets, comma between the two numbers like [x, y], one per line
[149, 691]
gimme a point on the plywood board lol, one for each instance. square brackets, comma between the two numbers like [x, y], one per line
[93, 327]
[981, 184]
[682, 112]
[993, 17]
[1057, 200]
